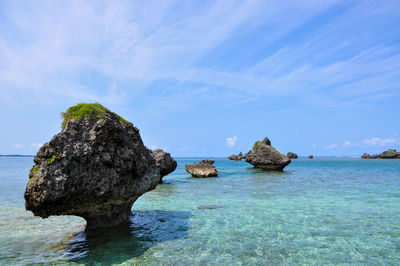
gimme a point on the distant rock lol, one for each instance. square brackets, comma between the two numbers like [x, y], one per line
[266, 157]
[236, 157]
[310, 157]
[365, 156]
[206, 161]
[165, 162]
[389, 154]
[292, 155]
[95, 168]
[203, 168]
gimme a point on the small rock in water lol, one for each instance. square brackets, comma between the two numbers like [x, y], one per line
[266, 157]
[203, 168]
[209, 206]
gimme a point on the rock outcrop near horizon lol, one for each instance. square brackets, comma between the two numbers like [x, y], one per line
[266, 157]
[204, 168]
[292, 155]
[389, 154]
[165, 162]
[238, 157]
[95, 168]
[310, 156]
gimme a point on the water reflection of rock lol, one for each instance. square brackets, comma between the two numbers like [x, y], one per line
[119, 244]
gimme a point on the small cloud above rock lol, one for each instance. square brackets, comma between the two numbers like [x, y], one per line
[231, 142]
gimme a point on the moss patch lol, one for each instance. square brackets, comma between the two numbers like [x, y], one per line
[89, 110]
[258, 144]
[34, 169]
[52, 159]
[32, 172]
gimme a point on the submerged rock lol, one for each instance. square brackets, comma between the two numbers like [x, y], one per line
[389, 154]
[210, 207]
[292, 155]
[266, 157]
[310, 157]
[165, 162]
[203, 168]
[95, 168]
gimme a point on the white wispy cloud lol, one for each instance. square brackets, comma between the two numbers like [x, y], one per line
[231, 141]
[347, 144]
[367, 143]
[381, 142]
[18, 146]
[53, 44]
[55, 47]
[331, 146]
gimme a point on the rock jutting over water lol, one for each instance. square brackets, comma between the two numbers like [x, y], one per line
[292, 155]
[310, 157]
[203, 168]
[235, 157]
[389, 154]
[95, 168]
[165, 162]
[266, 157]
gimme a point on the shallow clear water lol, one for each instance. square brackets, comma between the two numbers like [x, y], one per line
[321, 211]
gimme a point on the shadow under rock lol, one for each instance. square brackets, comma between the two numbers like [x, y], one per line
[118, 244]
[258, 171]
[173, 182]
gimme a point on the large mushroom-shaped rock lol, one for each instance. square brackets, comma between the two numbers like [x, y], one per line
[266, 157]
[203, 168]
[95, 168]
[292, 155]
[310, 157]
[165, 162]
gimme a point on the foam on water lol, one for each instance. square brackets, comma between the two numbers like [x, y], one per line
[320, 211]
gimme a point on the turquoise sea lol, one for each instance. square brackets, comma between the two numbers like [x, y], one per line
[317, 212]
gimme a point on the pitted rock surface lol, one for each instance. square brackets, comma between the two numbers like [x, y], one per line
[264, 156]
[95, 169]
[165, 162]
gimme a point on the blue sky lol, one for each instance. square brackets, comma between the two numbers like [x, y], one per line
[206, 78]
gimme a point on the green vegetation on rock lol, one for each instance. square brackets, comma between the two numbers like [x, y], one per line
[260, 143]
[34, 169]
[51, 159]
[89, 110]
